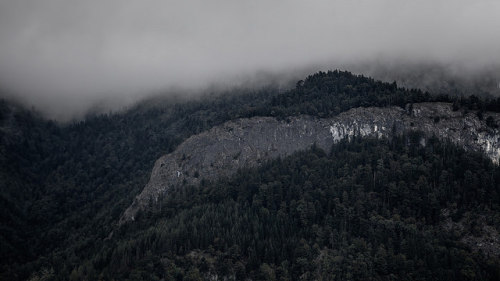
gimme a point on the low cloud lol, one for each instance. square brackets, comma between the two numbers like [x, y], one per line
[64, 56]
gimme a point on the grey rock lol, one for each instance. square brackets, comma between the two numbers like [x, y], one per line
[222, 150]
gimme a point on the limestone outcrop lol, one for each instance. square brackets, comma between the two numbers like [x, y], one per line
[222, 150]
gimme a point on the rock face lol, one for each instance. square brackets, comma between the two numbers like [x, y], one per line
[222, 150]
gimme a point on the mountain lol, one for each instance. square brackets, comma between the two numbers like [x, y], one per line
[355, 194]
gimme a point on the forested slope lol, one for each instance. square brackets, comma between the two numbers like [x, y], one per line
[369, 210]
[63, 187]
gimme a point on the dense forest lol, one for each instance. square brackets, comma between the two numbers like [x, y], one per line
[63, 188]
[369, 210]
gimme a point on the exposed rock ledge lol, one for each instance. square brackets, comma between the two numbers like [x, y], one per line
[220, 151]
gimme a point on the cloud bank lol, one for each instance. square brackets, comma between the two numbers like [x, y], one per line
[63, 56]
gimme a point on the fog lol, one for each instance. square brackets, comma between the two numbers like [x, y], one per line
[64, 57]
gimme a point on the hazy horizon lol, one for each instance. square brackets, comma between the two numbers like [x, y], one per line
[64, 57]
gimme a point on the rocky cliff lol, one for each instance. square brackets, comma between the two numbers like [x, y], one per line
[222, 150]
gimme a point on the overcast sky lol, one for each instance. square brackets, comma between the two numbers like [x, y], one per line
[63, 56]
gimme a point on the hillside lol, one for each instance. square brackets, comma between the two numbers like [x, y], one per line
[66, 186]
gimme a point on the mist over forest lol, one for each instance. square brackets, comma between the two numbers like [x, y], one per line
[65, 58]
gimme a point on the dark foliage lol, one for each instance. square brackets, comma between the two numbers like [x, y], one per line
[371, 210]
